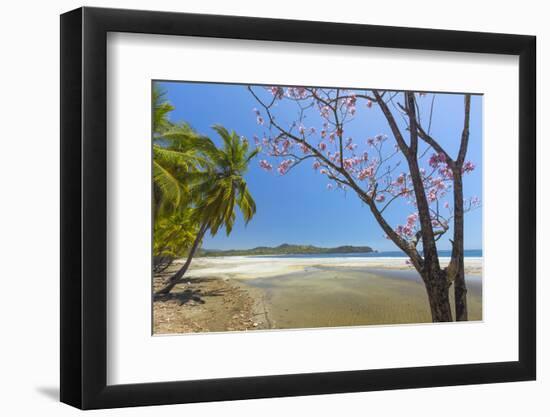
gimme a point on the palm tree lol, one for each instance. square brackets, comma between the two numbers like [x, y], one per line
[161, 108]
[217, 191]
[177, 152]
[173, 236]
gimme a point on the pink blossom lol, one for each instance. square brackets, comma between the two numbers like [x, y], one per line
[380, 198]
[366, 172]
[334, 157]
[411, 219]
[474, 202]
[404, 231]
[277, 92]
[286, 146]
[296, 92]
[369, 104]
[351, 100]
[350, 104]
[438, 184]
[322, 146]
[350, 146]
[325, 111]
[446, 172]
[265, 165]
[468, 167]
[436, 159]
[260, 120]
[330, 186]
[284, 166]
[316, 165]
[349, 163]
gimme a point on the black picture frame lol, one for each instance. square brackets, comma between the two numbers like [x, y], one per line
[84, 207]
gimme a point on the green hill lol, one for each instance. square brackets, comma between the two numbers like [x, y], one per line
[286, 249]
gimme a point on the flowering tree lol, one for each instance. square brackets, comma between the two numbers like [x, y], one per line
[416, 170]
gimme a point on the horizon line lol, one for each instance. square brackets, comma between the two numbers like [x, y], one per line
[322, 247]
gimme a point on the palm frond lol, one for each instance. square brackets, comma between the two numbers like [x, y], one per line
[161, 109]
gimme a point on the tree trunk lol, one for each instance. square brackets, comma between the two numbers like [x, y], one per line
[160, 263]
[166, 265]
[176, 278]
[429, 247]
[457, 257]
[438, 296]
[461, 305]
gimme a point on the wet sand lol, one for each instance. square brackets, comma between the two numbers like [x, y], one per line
[332, 297]
[258, 293]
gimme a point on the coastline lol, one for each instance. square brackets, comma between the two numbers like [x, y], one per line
[253, 267]
[243, 293]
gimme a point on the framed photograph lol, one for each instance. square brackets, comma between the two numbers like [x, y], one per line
[257, 208]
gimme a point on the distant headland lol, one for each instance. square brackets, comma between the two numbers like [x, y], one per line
[286, 249]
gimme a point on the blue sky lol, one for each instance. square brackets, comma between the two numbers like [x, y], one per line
[298, 208]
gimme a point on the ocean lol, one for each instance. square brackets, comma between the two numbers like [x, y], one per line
[469, 253]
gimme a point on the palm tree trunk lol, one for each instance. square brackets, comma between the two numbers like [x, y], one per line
[166, 265]
[176, 278]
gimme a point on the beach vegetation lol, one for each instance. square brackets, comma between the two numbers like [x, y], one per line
[197, 188]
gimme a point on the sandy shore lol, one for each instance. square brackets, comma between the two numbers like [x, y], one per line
[254, 293]
[253, 267]
[208, 304]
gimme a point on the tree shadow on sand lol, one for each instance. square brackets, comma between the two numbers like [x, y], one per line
[190, 294]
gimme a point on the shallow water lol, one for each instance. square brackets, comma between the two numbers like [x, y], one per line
[335, 297]
[468, 253]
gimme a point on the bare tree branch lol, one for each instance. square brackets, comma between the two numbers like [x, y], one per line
[391, 121]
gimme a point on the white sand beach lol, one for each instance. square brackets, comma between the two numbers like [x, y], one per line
[286, 292]
[253, 267]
